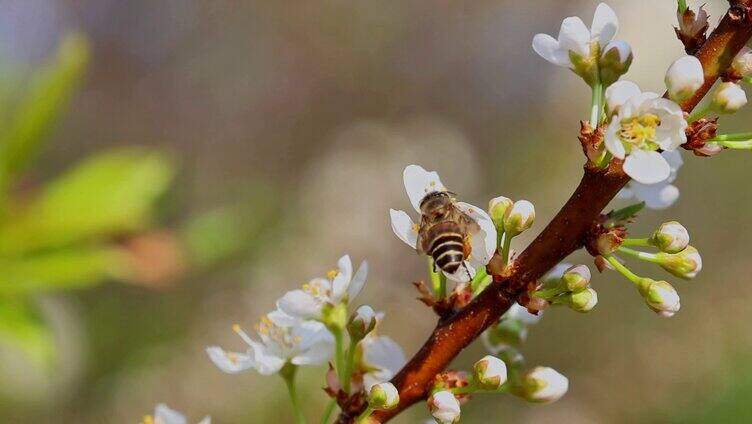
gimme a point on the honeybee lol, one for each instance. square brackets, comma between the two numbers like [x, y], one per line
[445, 232]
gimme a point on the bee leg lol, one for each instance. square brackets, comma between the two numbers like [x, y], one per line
[469, 275]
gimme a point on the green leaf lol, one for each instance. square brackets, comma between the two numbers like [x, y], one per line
[65, 269]
[105, 195]
[43, 101]
[22, 326]
[623, 216]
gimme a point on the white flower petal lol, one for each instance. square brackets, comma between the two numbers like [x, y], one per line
[265, 362]
[646, 167]
[612, 141]
[316, 354]
[358, 281]
[618, 93]
[575, 36]
[342, 280]
[483, 244]
[164, 415]
[206, 420]
[281, 319]
[605, 24]
[384, 356]
[548, 48]
[404, 227]
[675, 161]
[298, 303]
[230, 362]
[419, 183]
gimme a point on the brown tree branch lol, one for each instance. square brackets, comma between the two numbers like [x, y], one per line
[563, 235]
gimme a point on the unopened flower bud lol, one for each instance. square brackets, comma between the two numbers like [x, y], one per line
[497, 207]
[685, 264]
[519, 217]
[615, 61]
[692, 27]
[383, 396]
[444, 407]
[362, 322]
[729, 97]
[742, 64]
[684, 77]
[544, 385]
[490, 373]
[583, 300]
[671, 237]
[576, 278]
[660, 296]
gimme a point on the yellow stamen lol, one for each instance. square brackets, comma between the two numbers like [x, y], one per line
[236, 328]
[331, 274]
[148, 419]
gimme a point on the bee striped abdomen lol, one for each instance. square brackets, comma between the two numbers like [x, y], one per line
[445, 244]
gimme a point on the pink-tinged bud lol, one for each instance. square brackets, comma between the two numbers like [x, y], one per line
[544, 385]
[444, 407]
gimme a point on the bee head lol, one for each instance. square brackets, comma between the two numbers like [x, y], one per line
[435, 203]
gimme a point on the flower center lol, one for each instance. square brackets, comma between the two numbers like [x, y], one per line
[331, 274]
[639, 132]
[279, 335]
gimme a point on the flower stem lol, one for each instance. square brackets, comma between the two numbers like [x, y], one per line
[328, 412]
[288, 374]
[441, 294]
[506, 247]
[737, 145]
[362, 417]
[643, 256]
[732, 137]
[631, 276]
[349, 362]
[470, 389]
[339, 354]
[596, 107]
[636, 242]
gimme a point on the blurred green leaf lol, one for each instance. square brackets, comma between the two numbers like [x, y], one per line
[23, 327]
[41, 105]
[65, 269]
[106, 195]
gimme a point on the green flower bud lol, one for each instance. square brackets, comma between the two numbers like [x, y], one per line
[383, 396]
[576, 278]
[660, 296]
[544, 385]
[671, 237]
[497, 207]
[508, 332]
[519, 217]
[685, 264]
[584, 300]
[615, 61]
[362, 322]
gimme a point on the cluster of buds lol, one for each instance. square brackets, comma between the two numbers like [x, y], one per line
[510, 219]
[570, 288]
[674, 255]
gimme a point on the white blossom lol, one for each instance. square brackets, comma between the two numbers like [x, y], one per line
[544, 384]
[684, 77]
[382, 357]
[339, 286]
[418, 184]
[303, 343]
[164, 415]
[576, 43]
[659, 195]
[444, 407]
[644, 123]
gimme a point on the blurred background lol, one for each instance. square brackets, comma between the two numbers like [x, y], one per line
[170, 168]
